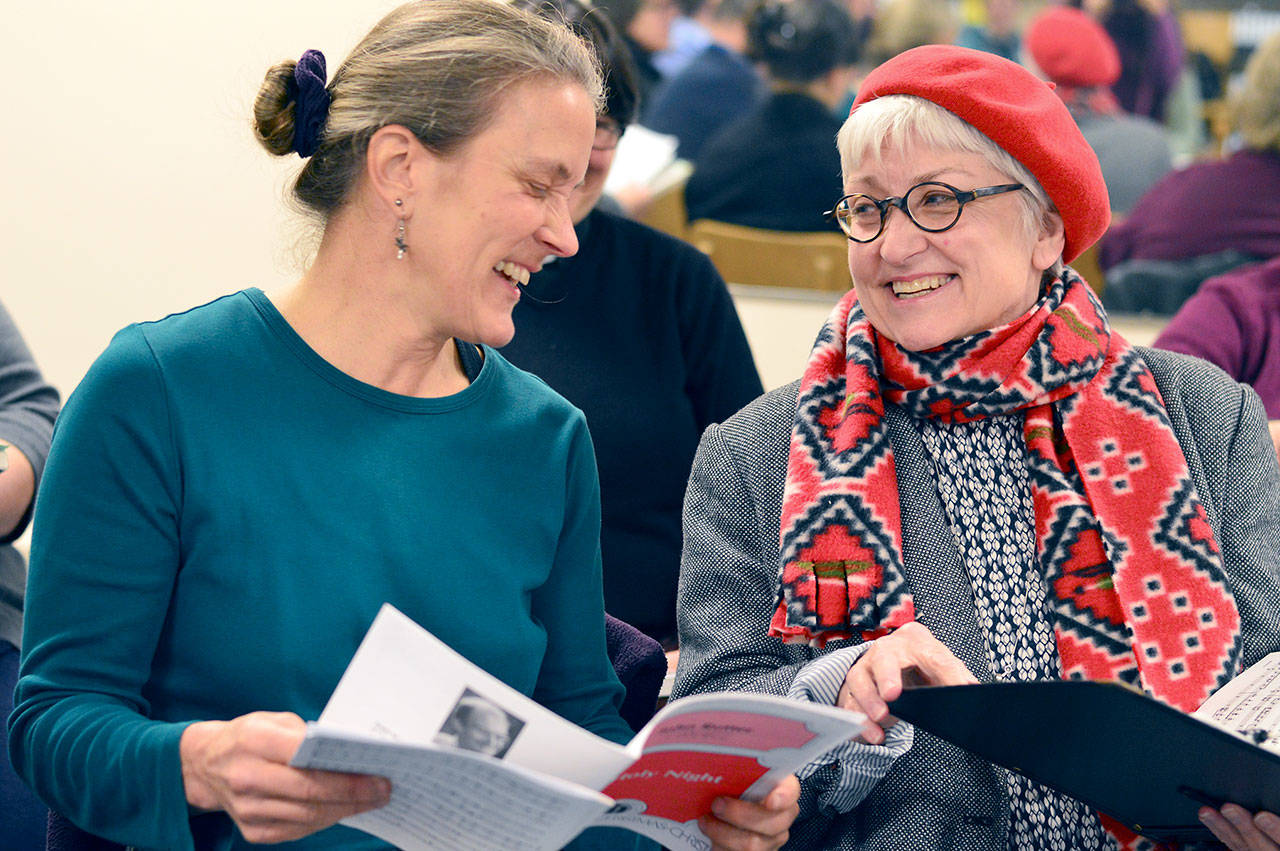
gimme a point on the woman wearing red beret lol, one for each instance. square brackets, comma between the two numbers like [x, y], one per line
[976, 479]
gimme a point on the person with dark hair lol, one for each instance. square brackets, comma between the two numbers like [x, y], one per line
[639, 331]
[976, 479]
[28, 406]
[233, 492]
[775, 167]
[719, 84]
[1147, 36]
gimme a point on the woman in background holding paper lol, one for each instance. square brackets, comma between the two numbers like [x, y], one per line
[234, 491]
[976, 478]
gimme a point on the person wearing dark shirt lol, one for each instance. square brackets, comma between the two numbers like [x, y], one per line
[776, 167]
[716, 87]
[639, 331]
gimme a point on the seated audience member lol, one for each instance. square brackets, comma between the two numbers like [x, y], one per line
[900, 25]
[1234, 321]
[923, 501]
[775, 167]
[1147, 35]
[687, 38]
[645, 27]
[234, 491]
[28, 406]
[1214, 206]
[998, 34]
[1074, 51]
[717, 86]
[638, 330]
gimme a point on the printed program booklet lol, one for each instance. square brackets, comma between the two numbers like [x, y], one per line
[474, 764]
[1119, 750]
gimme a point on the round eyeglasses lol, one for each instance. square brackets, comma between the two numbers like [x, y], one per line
[931, 206]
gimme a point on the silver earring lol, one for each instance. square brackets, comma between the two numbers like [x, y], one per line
[401, 247]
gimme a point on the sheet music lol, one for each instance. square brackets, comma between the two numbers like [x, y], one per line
[1250, 704]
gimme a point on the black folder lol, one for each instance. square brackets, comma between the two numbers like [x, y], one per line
[1121, 752]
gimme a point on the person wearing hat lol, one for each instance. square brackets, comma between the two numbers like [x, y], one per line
[1076, 53]
[973, 479]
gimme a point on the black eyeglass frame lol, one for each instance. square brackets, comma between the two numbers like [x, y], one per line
[900, 201]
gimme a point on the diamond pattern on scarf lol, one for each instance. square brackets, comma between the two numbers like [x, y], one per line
[982, 478]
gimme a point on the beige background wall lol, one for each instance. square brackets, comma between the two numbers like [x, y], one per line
[132, 186]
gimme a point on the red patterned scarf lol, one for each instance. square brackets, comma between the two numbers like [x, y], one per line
[1121, 536]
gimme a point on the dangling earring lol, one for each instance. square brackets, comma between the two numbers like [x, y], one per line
[401, 246]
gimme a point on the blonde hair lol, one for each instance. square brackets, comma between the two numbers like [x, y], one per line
[436, 67]
[1256, 109]
[900, 123]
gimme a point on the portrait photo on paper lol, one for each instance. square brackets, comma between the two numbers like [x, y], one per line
[478, 724]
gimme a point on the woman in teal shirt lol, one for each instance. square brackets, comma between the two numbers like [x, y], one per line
[233, 491]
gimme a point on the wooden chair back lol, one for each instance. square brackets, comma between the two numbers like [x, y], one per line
[744, 255]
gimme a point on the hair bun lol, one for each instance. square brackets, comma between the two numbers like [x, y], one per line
[273, 109]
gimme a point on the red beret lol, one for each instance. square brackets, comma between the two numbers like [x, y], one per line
[1019, 113]
[1072, 49]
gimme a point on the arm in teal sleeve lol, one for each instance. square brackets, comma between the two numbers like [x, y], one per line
[576, 680]
[104, 559]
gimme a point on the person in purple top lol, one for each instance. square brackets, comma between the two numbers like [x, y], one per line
[1233, 321]
[1213, 206]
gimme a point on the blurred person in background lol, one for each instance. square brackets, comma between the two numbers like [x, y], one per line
[688, 38]
[1233, 321]
[720, 83]
[1070, 48]
[1220, 205]
[639, 331]
[776, 166]
[899, 25]
[645, 28]
[998, 33]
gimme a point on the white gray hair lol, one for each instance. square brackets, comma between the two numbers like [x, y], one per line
[899, 123]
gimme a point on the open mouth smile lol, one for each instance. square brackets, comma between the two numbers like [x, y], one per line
[518, 275]
[919, 286]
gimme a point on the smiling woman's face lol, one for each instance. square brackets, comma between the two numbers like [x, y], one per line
[923, 289]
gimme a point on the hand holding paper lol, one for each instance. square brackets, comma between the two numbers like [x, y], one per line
[242, 767]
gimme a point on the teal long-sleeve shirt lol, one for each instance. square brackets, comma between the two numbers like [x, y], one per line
[223, 513]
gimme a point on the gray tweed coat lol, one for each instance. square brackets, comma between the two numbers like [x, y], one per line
[937, 796]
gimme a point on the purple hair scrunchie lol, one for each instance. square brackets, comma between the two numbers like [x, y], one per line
[311, 102]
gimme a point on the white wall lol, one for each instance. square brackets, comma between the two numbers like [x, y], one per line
[132, 185]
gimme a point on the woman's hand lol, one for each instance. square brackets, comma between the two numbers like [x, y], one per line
[242, 767]
[737, 825]
[908, 654]
[1241, 830]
